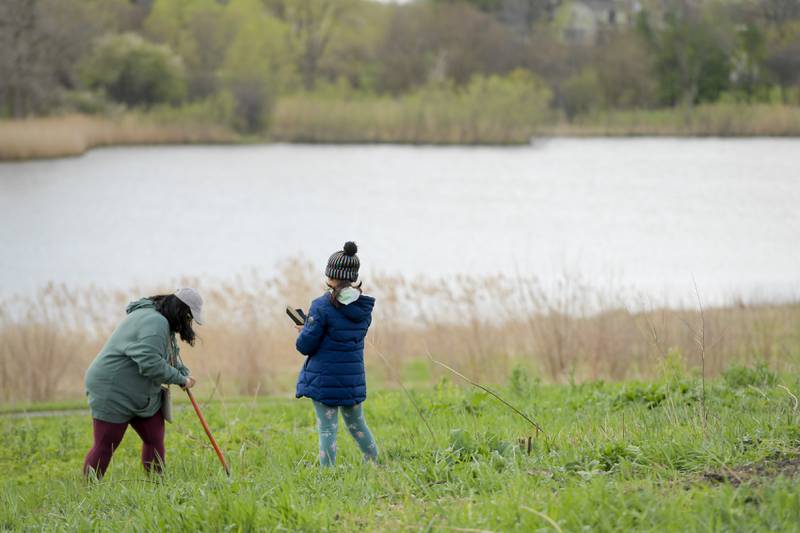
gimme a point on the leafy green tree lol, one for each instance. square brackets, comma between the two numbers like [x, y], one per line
[782, 60]
[692, 59]
[624, 72]
[313, 24]
[132, 71]
[553, 60]
[255, 69]
[747, 61]
[200, 31]
[581, 93]
[516, 99]
[352, 54]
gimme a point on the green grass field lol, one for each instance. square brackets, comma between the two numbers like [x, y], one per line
[631, 456]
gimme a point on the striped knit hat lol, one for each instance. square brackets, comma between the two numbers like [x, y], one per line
[344, 263]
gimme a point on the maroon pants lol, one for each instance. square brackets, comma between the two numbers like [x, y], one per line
[108, 436]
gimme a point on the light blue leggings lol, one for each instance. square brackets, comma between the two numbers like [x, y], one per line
[328, 424]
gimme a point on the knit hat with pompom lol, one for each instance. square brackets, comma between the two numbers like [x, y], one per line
[344, 264]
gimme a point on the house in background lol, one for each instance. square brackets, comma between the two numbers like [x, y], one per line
[583, 20]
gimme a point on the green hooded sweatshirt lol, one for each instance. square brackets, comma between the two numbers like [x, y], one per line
[124, 380]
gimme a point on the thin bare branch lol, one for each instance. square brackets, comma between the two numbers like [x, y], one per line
[399, 382]
[497, 396]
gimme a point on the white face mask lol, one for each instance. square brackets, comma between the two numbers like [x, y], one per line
[348, 295]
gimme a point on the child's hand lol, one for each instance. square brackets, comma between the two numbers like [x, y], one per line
[298, 328]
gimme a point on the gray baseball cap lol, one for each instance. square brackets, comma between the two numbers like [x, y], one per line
[192, 298]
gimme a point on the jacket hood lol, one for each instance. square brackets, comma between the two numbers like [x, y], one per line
[359, 310]
[143, 303]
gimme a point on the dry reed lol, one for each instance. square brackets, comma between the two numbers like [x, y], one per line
[71, 135]
[435, 119]
[708, 120]
[483, 327]
[304, 119]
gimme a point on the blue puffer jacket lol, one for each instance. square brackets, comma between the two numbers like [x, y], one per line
[333, 340]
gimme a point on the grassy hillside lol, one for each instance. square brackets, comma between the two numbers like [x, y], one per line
[633, 456]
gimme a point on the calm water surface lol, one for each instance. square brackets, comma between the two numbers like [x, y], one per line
[643, 213]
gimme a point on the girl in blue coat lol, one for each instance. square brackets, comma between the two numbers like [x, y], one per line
[333, 341]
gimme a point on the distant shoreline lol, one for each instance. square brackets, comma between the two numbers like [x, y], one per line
[74, 135]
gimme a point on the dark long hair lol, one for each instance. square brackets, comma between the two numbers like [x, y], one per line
[177, 314]
[337, 285]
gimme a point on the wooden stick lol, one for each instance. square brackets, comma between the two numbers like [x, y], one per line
[208, 432]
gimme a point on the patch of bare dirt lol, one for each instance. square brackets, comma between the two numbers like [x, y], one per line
[787, 465]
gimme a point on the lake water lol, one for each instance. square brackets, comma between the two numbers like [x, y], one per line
[643, 213]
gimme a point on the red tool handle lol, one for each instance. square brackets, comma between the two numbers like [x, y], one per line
[208, 432]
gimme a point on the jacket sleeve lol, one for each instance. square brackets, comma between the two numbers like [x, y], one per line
[147, 352]
[311, 335]
[183, 369]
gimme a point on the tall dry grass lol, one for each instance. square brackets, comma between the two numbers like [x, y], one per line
[482, 326]
[708, 120]
[488, 110]
[486, 114]
[386, 120]
[70, 135]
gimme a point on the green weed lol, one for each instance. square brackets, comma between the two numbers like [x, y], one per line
[630, 456]
[759, 375]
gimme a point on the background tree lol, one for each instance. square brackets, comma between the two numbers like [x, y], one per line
[200, 31]
[691, 54]
[581, 93]
[406, 54]
[444, 40]
[557, 61]
[239, 56]
[313, 24]
[519, 15]
[777, 12]
[40, 42]
[470, 42]
[253, 71]
[747, 61]
[132, 71]
[118, 16]
[624, 72]
[352, 54]
[782, 59]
